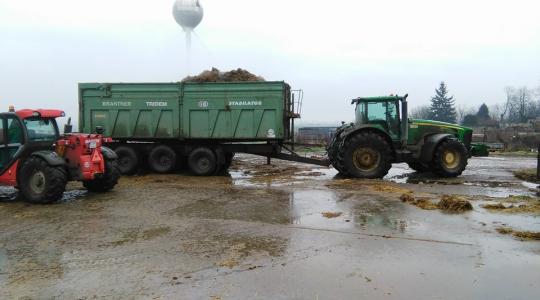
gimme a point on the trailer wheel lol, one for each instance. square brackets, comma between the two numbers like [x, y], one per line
[202, 162]
[450, 158]
[108, 181]
[128, 160]
[162, 159]
[41, 183]
[366, 155]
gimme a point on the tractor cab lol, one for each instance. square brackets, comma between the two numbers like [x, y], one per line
[383, 113]
[24, 130]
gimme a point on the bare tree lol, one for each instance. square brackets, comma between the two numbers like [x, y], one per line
[421, 112]
[496, 112]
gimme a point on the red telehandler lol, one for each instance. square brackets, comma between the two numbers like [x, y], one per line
[39, 161]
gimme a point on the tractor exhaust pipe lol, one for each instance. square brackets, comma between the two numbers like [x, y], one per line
[68, 128]
[404, 121]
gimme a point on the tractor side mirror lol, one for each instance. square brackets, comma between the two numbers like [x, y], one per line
[100, 130]
[68, 128]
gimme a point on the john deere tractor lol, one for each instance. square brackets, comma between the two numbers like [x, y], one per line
[382, 136]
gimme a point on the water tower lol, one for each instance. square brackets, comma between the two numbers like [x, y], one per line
[188, 14]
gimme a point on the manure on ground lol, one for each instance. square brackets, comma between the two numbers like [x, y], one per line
[331, 215]
[497, 206]
[522, 235]
[454, 204]
[527, 175]
[422, 203]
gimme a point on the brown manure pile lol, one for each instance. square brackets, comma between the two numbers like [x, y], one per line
[454, 204]
[215, 75]
[422, 203]
[331, 215]
[496, 206]
[523, 235]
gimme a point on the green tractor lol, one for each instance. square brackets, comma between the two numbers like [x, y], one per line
[382, 136]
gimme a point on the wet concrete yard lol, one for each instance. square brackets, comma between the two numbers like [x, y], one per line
[285, 231]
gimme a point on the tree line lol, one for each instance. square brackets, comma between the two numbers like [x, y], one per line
[521, 105]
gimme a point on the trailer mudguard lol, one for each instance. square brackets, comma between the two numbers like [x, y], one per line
[108, 153]
[430, 143]
[50, 157]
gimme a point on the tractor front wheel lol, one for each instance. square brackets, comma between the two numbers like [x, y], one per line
[450, 158]
[107, 181]
[366, 155]
[41, 183]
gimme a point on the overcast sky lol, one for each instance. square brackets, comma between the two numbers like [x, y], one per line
[334, 50]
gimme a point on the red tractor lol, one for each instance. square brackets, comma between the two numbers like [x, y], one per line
[38, 161]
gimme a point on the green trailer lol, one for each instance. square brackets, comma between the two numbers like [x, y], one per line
[201, 124]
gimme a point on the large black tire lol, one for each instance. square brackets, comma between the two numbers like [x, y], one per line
[333, 155]
[162, 159]
[108, 181]
[450, 158]
[202, 162]
[128, 160]
[41, 183]
[366, 155]
[418, 166]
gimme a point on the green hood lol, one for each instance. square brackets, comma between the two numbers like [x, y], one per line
[438, 123]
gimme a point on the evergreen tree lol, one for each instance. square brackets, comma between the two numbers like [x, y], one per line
[470, 120]
[483, 112]
[443, 107]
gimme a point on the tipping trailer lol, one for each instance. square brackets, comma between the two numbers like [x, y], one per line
[166, 125]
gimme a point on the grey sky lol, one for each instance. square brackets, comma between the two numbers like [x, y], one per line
[334, 50]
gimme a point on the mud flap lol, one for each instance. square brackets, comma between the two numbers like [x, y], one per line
[108, 153]
[50, 157]
[431, 142]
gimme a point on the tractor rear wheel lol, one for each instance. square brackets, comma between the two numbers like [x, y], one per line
[107, 181]
[366, 155]
[128, 160]
[202, 162]
[418, 166]
[450, 158]
[333, 155]
[41, 183]
[162, 159]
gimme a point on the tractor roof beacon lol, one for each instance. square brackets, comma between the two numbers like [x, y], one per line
[38, 161]
[384, 134]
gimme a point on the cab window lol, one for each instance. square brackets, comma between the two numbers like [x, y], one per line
[11, 139]
[14, 131]
[377, 111]
[3, 152]
[2, 133]
[384, 114]
[41, 130]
